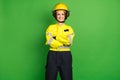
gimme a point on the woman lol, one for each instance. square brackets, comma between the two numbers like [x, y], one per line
[59, 37]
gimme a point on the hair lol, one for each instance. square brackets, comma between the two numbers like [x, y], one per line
[67, 13]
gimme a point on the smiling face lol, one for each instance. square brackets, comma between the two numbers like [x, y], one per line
[60, 16]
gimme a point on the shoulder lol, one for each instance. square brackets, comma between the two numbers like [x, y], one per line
[51, 27]
[68, 26]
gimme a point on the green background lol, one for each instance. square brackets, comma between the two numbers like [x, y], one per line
[96, 48]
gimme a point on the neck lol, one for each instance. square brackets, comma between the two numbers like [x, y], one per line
[60, 24]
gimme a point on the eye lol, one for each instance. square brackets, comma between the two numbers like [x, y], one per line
[58, 14]
[63, 13]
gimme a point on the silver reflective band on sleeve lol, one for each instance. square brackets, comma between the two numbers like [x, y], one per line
[50, 40]
[64, 47]
[50, 34]
[70, 39]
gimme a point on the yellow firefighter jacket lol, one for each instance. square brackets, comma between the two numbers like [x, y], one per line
[59, 38]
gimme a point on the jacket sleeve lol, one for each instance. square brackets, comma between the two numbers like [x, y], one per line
[66, 39]
[50, 40]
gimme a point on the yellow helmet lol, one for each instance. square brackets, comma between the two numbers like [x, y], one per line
[60, 6]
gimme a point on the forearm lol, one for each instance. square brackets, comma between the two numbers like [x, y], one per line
[66, 40]
[53, 42]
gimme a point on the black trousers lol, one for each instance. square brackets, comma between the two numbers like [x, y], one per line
[59, 61]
